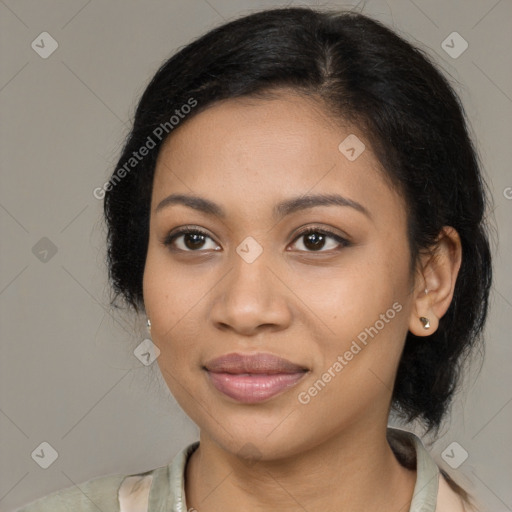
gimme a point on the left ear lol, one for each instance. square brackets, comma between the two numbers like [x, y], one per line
[435, 282]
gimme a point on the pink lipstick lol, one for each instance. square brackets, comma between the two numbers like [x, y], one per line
[252, 378]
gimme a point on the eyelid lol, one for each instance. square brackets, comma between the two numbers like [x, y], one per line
[184, 229]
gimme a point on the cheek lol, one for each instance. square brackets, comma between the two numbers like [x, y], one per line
[366, 284]
[176, 297]
[170, 290]
[365, 304]
[170, 297]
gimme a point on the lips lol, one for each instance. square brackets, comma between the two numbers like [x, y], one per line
[253, 378]
[252, 363]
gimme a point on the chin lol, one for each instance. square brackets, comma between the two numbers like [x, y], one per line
[251, 438]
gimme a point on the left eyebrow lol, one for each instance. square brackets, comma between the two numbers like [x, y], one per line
[310, 201]
[282, 209]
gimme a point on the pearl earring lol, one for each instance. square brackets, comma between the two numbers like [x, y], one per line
[148, 325]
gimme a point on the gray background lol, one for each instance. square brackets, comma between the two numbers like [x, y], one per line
[68, 375]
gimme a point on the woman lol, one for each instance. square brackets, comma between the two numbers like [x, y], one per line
[298, 211]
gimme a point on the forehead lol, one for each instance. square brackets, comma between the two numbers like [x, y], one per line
[263, 150]
[241, 131]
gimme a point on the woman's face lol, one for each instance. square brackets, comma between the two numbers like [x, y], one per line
[335, 306]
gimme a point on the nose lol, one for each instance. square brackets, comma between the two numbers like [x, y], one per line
[251, 299]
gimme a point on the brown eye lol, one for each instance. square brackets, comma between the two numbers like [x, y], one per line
[315, 240]
[189, 240]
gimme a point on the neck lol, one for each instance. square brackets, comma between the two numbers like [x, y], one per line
[354, 471]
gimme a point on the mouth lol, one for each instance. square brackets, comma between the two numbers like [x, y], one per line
[253, 378]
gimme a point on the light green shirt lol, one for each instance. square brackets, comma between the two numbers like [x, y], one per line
[162, 489]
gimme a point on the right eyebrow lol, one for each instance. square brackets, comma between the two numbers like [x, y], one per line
[197, 203]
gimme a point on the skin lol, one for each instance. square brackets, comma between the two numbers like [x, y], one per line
[303, 305]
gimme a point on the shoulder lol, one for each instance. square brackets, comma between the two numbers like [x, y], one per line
[451, 497]
[434, 491]
[161, 488]
[102, 493]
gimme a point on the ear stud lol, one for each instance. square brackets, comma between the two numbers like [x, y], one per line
[425, 321]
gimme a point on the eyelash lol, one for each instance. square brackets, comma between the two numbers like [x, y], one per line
[168, 241]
